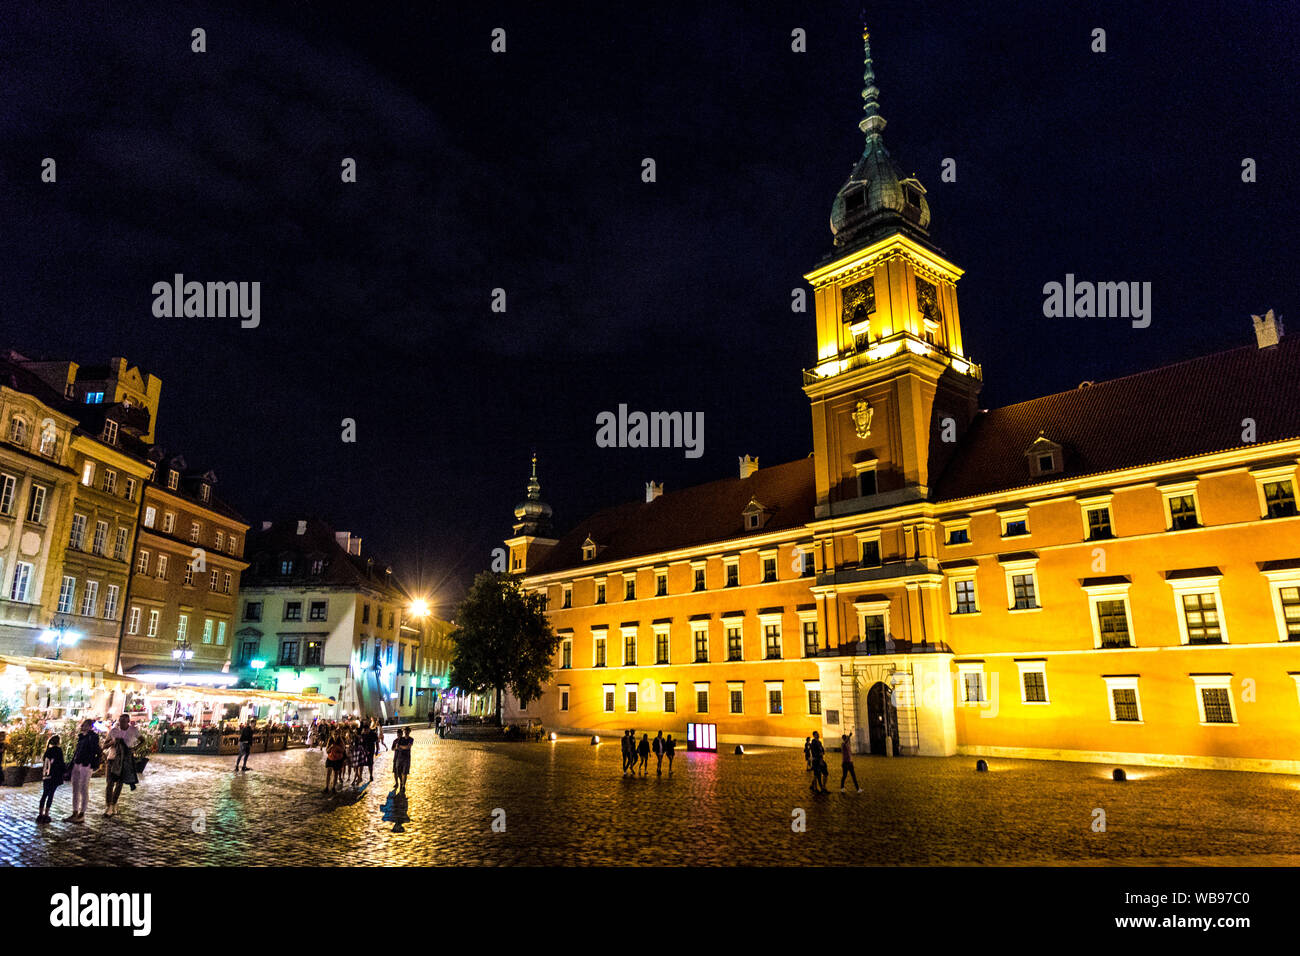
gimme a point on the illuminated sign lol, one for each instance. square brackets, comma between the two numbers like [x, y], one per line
[702, 737]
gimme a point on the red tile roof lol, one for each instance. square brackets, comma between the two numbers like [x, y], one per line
[692, 516]
[1176, 411]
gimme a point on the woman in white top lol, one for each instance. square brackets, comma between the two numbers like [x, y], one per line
[121, 762]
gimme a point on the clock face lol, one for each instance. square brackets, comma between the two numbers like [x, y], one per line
[927, 301]
[859, 300]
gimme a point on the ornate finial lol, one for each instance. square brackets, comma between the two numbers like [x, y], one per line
[872, 122]
[534, 486]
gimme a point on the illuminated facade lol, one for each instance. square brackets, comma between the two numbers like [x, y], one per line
[1109, 573]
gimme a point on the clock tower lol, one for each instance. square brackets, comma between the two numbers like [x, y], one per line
[892, 390]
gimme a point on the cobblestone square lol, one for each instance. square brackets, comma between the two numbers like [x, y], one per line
[565, 803]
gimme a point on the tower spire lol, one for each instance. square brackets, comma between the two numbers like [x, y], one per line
[872, 122]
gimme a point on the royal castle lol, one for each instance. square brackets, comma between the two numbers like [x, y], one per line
[1110, 573]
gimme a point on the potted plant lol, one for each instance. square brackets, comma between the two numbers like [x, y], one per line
[23, 747]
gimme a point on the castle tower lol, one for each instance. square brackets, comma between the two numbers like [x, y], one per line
[532, 528]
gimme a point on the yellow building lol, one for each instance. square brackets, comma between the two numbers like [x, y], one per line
[1110, 573]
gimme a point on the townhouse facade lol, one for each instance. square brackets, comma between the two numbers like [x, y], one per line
[1110, 573]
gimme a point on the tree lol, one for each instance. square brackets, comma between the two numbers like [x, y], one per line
[502, 639]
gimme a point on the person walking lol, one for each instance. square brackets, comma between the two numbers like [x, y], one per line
[807, 751]
[335, 754]
[52, 776]
[819, 764]
[85, 761]
[643, 751]
[359, 755]
[658, 747]
[846, 763]
[121, 763]
[402, 757]
[437, 725]
[370, 737]
[627, 751]
[245, 743]
[670, 747]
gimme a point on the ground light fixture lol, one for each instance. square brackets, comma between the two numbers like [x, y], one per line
[594, 740]
[554, 736]
[1119, 776]
[981, 766]
[740, 750]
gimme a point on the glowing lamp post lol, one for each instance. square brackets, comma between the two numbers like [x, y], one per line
[61, 635]
[181, 653]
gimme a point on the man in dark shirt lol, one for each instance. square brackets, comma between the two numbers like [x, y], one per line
[820, 770]
[245, 743]
[370, 739]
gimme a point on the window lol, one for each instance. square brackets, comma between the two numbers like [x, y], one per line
[365, 614]
[1180, 506]
[661, 646]
[214, 580]
[89, 598]
[8, 485]
[972, 683]
[232, 546]
[317, 611]
[48, 441]
[1279, 499]
[163, 561]
[629, 589]
[252, 610]
[110, 602]
[670, 698]
[600, 592]
[219, 540]
[1201, 618]
[129, 493]
[629, 648]
[94, 398]
[866, 482]
[870, 552]
[775, 704]
[772, 641]
[608, 694]
[568, 596]
[735, 644]
[247, 652]
[182, 627]
[87, 473]
[701, 698]
[807, 565]
[101, 538]
[173, 479]
[225, 583]
[1033, 681]
[809, 637]
[1214, 698]
[1023, 592]
[564, 697]
[195, 531]
[963, 596]
[17, 431]
[169, 522]
[119, 545]
[288, 653]
[189, 574]
[874, 633]
[733, 572]
[1098, 521]
[698, 572]
[566, 653]
[36, 510]
[66, 592]
[958, 533]
[630, 692]
[661, 583]
[735, 698]
[207, 630]
[153, 623]
[814, 699]
[110, 481]
[769, 569]
[1112, 621]
[1015, 524]
[293, 610]
[205, 492]
[313, 657]
[700, 637]
[77, 537]
[599, 646]
[221, 633]
[133, 621]
[142, 562]
[1125, 706]
[110, 432]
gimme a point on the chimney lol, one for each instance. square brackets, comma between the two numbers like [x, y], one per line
[302, 527]
[266, 526]
[653, 489]
[354, 545]
[1268, 329]
[748, 466]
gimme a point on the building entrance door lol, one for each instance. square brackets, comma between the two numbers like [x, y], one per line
[882, 720]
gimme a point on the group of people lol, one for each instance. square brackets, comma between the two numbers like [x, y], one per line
[115, 752]
[351, 747]
[637, 755]
[814, 752]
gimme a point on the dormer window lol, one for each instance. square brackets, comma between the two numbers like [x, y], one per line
[205, 492]
[173, 479]
[754, 515]
[589, 549]
[110, 432]
[1045, 457]
[17, 431]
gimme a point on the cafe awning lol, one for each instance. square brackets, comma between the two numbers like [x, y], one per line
[237, 695]
[61, 673]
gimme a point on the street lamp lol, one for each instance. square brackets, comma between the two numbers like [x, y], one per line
[181, 653]
[60, 633]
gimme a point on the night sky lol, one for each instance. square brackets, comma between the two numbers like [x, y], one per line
[522, 171]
